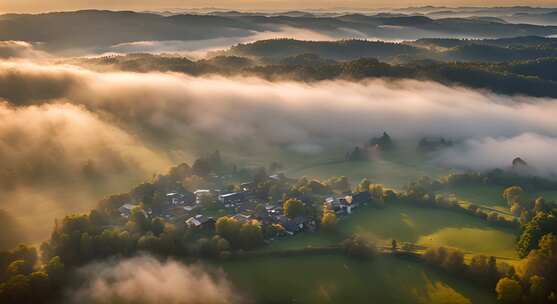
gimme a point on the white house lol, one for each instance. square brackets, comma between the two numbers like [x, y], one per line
[126, 210]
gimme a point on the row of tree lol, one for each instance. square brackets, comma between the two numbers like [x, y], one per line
[23, 280]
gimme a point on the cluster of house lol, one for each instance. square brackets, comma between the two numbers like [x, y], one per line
[274, 213]
[181, 205]
[346, 204]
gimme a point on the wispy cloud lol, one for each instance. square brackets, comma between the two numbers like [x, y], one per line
[147, 280]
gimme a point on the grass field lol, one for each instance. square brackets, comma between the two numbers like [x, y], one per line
[432, 227]
[338, 279]
[428, 227]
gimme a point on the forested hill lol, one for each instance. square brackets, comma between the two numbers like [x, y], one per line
[534, 78]
[276, 49]
[486, 50]
[96, 29]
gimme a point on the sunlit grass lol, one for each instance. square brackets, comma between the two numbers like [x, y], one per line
[339, 279]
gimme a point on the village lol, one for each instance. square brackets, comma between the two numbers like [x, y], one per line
[199, 210]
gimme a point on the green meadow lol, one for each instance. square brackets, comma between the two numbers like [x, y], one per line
[334, 278]
[337, 279]
[423, 226]
[432, 227]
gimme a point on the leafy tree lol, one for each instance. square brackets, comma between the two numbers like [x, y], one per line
[16, 290]
[508, 291]
[484, 269]
[377, 193]
[540, 205]
[542, 224]
[394, 245]
[454, 261]
[293, 208]
[139, 219]
[542, 262]
[228, 228]
[39, 283]
[221, 243]
[201, 167]
[260, 175]
[357, 246]
[251, 234]
[451, 260]
[19, 267]
[180, 172]
[516, 210]
[278, 230]
[55, 270]
[328, 220]
[513, 194]
[363, 186]
[539, 291]
[157, 226]
[260, 210]
[240, 235]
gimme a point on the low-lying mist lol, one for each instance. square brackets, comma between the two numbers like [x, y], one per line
[495, 152]
[69, 135]
[198, 49]
[147, 280]
[19, 49]
[57, 159]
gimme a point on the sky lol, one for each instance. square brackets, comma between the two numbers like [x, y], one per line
[59, 5]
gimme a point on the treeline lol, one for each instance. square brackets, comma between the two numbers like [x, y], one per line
[497, 177]
[533, 281]
[480, 50]
[422, 194]
[482, 270]
[533, 78]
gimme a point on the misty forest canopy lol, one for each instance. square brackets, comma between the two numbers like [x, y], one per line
[522, 65]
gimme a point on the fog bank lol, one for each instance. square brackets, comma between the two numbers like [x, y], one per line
[60, 158]
[497, 152]
[149, 281]
[69, 135]
[229, 109]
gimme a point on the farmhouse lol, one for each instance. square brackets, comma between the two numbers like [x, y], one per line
[230, 199]
[126, 210]
[176, 198]
[292, 226]
[200, 222]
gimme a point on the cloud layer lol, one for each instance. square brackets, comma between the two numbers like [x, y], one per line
[492, 153]
[199, 48]
[69, 135]
[278, 112]
[60, 158]
[149, 281]
[19, 49]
